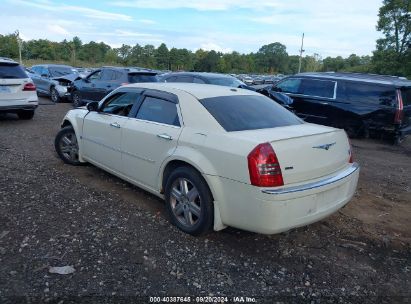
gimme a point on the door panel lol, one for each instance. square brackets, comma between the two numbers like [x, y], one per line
[149, 139]
[102, 134]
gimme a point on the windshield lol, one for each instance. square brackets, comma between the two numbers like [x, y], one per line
[248, 112]
[226, 81]
[140, 77]
[60, 71]
[11, 71]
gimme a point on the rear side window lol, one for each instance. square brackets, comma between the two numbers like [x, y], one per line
[108, 75]
[370, 93]
[318, 88]
[11, 71]
[140, 77]
[406, 96]
[248, 112]
[158, 110]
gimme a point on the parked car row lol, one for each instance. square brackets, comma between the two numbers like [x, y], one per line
[362, 104]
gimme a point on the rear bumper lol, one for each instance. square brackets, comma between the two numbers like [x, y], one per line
[270, 211]
[405, 131]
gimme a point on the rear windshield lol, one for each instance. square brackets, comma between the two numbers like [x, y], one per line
[11, 71]
[406, 96]
[248, 112]
[140, 77]
[226, 81]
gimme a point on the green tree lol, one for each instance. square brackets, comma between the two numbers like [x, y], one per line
[272, 58]
[393, 54]
[162, 57]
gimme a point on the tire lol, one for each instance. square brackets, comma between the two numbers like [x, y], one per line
[76, 98]
[26, 115]
[193, 215]
[66, 146]
[54, 95]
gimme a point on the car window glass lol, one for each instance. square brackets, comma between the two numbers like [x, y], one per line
[11, 71]
[35, 70]
[184, 79]
[120, 103]
[117, 75]
[44, 71]
[95, 76]
[316, 87]
[198, 80]
[171, 79]
[370, 93]
[142, 77]
[107, 75]
[291, 85]
[406, 96]
[158, 110]
[248, 112]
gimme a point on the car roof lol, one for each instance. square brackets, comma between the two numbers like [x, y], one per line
[372, 78]
[134, 70]
[201, 74]
[7, 60]
[199, 91]
[54, 65]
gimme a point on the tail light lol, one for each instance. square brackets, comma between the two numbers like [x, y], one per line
[124, 83]
[29, 87]
[264, 167]
[351, 158]
[400, 108]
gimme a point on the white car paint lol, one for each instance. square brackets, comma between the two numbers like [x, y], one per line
[320, 182]
[13, 97]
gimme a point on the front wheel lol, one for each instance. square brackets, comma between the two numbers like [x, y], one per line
[66, 146]
[189, 201]
[76, 98]
[54, 95]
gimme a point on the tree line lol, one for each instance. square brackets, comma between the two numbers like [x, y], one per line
[392, 55]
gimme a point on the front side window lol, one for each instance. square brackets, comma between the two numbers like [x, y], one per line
[159, 110]
[291, 85]
[107, 75]
[370, 93]
[198, 80]
[318, 88]
[248, 112]
[95, 76]
[120, 103]
[226, 81]
[184, 79]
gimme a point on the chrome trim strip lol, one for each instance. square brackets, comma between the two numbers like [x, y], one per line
[329, 180]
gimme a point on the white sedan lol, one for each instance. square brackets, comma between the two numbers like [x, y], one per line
[218, 156]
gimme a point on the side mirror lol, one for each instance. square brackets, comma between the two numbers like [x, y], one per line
[92, 106]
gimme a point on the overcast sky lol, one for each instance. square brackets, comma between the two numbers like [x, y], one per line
[331, 27]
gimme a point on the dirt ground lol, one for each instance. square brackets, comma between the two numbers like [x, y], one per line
[118, 239]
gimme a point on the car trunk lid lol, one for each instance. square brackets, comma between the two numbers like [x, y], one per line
[305, 152]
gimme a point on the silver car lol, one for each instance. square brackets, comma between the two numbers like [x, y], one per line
[52, 80]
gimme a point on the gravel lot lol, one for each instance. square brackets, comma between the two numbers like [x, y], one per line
[123, 249]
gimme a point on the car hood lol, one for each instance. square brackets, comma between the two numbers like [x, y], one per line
[68, 77]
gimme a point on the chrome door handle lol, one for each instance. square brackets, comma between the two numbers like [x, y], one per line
[115, 125]
[164, 136]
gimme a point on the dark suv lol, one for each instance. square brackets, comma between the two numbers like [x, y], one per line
[362, 104]
[104, 80]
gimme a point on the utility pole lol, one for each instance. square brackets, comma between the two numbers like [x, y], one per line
[19, 43]
[301, 54]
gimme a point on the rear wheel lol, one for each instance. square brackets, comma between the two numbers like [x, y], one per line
[66, 146]
[54, 95]
[189, 201]
[76, 98]
[28, 114]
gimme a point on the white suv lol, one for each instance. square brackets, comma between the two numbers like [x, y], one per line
[17, 91]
